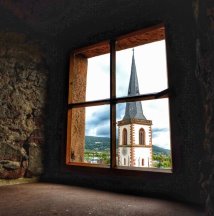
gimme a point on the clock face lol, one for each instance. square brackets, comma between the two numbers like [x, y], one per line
[124, 151]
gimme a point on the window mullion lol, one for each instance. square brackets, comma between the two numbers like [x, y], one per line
[113, 104]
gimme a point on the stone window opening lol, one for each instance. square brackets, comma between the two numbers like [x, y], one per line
[79, 107]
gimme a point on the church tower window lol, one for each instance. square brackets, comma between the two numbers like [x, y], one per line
[142, 162]
[141, 136]
[124, 136]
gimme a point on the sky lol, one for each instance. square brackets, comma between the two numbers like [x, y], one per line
[151, 68]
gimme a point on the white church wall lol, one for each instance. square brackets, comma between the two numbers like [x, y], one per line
[139, 152]
[142, 153]
[124, 155]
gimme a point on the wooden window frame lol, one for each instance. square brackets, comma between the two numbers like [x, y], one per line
[99, 49]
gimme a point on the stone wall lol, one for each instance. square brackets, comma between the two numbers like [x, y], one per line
[23, 78]
[204, 13]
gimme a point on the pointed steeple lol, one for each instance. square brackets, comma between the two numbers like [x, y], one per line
[133, 82]
[133, 109]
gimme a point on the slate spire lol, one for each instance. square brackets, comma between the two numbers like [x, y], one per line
[133, 109]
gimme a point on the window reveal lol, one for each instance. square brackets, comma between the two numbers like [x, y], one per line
[89, 151]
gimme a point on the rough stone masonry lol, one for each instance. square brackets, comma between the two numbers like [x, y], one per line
[23, 79]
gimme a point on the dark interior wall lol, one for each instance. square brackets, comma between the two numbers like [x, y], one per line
[27, 55]
[186, 108]
[78, 25]
[204, 13]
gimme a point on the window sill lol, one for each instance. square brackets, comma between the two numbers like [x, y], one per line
[152, 170]
[119, 168]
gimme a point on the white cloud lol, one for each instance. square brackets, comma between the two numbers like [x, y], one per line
[98, 120]
[98, 78]
[163, 140]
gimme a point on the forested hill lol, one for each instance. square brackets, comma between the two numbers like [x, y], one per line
[97, 143]
[103, 144]
[159, 150]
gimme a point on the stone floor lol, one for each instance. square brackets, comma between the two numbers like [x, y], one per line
[52, 199]
[4, 182]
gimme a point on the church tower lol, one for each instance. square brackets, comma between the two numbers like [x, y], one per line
[135, 131]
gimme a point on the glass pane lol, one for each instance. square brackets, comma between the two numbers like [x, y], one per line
[144, 66]
[90, 130]
[143, 134]
[89, 78]
[98, 78]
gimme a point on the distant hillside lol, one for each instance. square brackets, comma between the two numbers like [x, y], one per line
[103, 144]
[97, 143]
[159, 150]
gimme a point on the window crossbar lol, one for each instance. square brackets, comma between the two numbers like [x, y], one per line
[158, 95]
